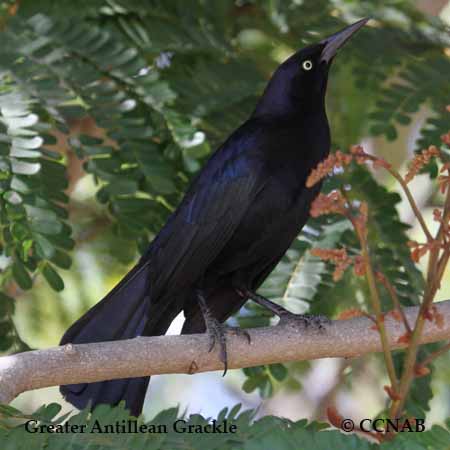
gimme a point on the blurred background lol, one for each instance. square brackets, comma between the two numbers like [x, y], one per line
[194, 71]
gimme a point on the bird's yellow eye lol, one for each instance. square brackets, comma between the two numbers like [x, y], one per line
[307, 65]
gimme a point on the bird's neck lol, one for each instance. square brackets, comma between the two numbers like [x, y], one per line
[281, 100]
[279, 109]
[304, 119]
[297, 141]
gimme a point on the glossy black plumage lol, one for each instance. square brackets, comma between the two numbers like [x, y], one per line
[236, 221]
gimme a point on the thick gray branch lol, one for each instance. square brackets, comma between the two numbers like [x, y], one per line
[189, 354]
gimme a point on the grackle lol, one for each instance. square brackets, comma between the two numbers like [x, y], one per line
[234, 224]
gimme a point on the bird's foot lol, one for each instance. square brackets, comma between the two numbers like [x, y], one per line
[286, 317]
[217, 333]
[304, 320]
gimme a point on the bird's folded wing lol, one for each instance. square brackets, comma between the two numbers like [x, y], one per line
[203, 223]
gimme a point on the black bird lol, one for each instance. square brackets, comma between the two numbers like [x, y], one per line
[236, 221]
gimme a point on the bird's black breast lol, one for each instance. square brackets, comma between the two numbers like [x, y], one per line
[294, 148]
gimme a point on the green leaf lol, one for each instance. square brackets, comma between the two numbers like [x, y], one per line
[6, 342]
[47, 413]
[278, 371]
[9, 411]
[6, 305]
[44, 247]
[12, 197]
[252, 383]
[5, 328]
[61, 259]
[21, 275]
[122, 186]
[19, 231]
[46, 227]
[52, 277]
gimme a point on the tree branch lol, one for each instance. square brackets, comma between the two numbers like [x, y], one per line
[189, 353]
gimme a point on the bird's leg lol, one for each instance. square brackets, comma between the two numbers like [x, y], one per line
[217, 331]
[285, 315]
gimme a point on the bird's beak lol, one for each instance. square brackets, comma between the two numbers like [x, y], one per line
[337, 40]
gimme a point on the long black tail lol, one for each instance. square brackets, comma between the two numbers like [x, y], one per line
[122, 314]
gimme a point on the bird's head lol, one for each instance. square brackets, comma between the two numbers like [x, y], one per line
[299, 83]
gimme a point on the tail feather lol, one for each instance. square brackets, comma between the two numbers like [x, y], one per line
[132, 390]
[118, 315]
[122, 314]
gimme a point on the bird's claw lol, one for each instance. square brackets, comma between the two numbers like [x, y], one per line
[238, 332]
[217, 334]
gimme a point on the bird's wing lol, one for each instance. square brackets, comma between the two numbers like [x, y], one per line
[204, 222]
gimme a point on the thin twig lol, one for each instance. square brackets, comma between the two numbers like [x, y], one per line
[376, 305]
[408, 194]
[412, 203]
[395, 300]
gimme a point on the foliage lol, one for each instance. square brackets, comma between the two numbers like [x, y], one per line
[250, 434]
